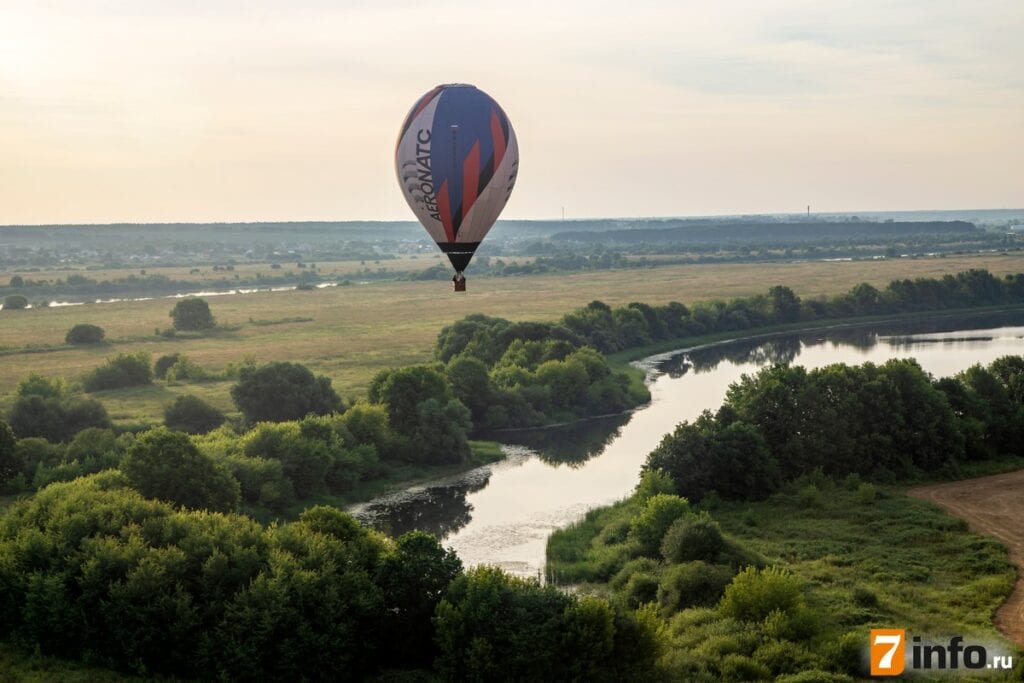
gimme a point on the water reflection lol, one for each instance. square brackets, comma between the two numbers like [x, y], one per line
[503, 513]
[439, 509]
[571, 444]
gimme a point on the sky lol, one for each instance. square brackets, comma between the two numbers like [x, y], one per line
[224, 110]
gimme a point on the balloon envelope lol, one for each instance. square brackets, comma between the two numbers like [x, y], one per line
[457, 161]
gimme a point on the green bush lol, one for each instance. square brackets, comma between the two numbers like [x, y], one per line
[164, 363]
[84, 333]
[693, 584]
[649, 526]
[693, 537]
[55, 418]
[262, 481]
[783, 657]
[186, 369]
[867, 493]
[756, 593]
[193, 415]
[739, 668]
[15, 302]
[192, 314]
[123, 370]
[641, 588]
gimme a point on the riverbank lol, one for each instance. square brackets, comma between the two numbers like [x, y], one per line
[398, 477]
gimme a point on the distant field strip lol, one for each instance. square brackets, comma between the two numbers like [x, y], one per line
[351, 333]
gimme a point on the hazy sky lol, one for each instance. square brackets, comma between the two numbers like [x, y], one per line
[200, 110]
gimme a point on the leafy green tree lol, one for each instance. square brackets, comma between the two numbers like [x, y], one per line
[305, 457]
[16, 281]
[55, 418]
[413, 579]
[192, 314]
[166, 465]
[471, 384]
[403, 389]
[785, 304]
[15, 302]
[193, 415]
[281, 391]
[441, 432]
[84, 333]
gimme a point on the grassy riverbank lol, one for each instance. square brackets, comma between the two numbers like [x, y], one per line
[864, 556]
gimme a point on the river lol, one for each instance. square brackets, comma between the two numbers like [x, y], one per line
[502, 514]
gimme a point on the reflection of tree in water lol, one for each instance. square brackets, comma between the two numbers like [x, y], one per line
[440, 510]
[571, 445]
[785, 349]
[760, 352]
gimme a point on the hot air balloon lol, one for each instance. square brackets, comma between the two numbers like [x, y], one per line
[457, 161]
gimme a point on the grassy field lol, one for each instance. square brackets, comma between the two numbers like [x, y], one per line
[351, 333]
[867, 557]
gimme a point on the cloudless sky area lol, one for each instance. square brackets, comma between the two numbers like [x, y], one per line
[217, 110]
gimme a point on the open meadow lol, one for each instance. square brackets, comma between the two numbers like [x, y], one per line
[351, 333]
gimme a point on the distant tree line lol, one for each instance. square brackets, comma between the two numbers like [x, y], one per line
[610, 329]
[697, 232]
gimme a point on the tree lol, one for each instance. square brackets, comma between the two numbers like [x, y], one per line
[785, 304]
[414, 577]
[441, 433]
[281, 391]
[471, 384]
[10, 463]
[402, 390]
[55, 418]
[84, 333]
[16, 281]
[193, 415]
[15, 302]
[166, 465]
[192, 314]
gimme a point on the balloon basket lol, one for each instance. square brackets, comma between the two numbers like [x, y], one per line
[459, 285]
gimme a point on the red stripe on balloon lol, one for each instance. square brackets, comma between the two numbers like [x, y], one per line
[498, 135]
[444, 207]
[470, 178]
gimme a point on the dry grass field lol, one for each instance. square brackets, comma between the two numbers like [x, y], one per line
[350, 333]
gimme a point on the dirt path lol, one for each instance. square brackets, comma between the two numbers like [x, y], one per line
[993, 506]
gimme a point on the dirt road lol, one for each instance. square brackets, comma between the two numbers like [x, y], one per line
[993, 506]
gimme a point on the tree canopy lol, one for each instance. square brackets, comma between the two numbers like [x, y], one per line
[283, 391]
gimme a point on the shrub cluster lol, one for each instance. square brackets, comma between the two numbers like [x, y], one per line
[121, 371]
